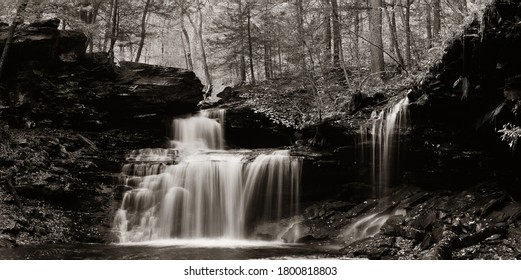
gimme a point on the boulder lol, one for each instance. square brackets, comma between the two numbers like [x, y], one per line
[43, 42]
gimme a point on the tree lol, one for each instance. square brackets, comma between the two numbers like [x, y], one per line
[300, 36]
[375, 37]
[327, 34]
[250, 44]
[143, 30]
[391, 20]
[114, 28]
[242, 60]
[436, 19]
[182, 9]
[337, 39]
[198, 29]
[407, 23]
[428, 23]
[18, 19]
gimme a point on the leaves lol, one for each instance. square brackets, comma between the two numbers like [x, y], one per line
[510, 134]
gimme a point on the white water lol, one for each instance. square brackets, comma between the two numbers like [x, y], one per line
[197, 191]
[383, 136]
[380, 142]
[369, 225]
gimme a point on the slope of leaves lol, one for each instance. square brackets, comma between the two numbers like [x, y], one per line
[293, 102]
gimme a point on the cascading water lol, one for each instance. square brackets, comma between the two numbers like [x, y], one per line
[197, 190]
[382, 140]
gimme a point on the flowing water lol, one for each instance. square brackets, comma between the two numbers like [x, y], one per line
[380, 142]
[197, 200]
[197, 190]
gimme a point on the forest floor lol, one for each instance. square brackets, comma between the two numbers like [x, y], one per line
[297, 103]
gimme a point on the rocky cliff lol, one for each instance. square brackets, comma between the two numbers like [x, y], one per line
[67, 119]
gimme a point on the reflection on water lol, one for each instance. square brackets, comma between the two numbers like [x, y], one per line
[160, 252]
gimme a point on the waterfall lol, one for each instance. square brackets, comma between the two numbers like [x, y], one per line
[198, 190]
[379, 141]
[383, 136]
[202, 131]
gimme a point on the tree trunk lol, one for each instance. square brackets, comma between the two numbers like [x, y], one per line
[9, 41]
[407, 23]
[300, 34]
[394, 34]
[199, 33]
[187, 38]
[143, 30]
[242, 60]
[279, 54]
[114, 29]
[356, 38]
[375, 32]
[250, 47]
[203, 52]
[337, 40]
[108, 26]
[327, 34]
[436, 19]
[428, 23]
[184, 50]
[267, 46]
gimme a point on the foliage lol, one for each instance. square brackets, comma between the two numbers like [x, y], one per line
[510, 134]
[289, 102]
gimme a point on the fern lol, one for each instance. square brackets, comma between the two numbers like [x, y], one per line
[510, 133]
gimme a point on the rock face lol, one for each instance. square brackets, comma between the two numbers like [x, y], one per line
[43, 42]
[410, 223]
[54, 81]
[459, 107]
[67, 120]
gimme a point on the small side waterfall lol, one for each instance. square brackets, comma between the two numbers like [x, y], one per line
[380, 141]
[197, 190]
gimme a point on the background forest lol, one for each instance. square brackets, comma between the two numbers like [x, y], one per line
[242, 42]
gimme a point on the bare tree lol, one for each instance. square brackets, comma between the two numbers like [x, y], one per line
[187, 38]
[114, 29]
[428, 23]
[143, 30]
[391, 20]
[337, 39]
[375, 36]
[327, 34]
[242, 60]
[436, 19]
[198, 29]
[250, 44]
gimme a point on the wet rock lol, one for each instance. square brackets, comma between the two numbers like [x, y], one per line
[510, 213]
[413, 234]
[300, 233]
[474, 238]
[443, 249]
[380, 247]
[393, 226]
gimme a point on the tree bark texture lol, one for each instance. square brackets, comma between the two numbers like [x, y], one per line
[143, 30]
[337, 39]
[375, 37]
